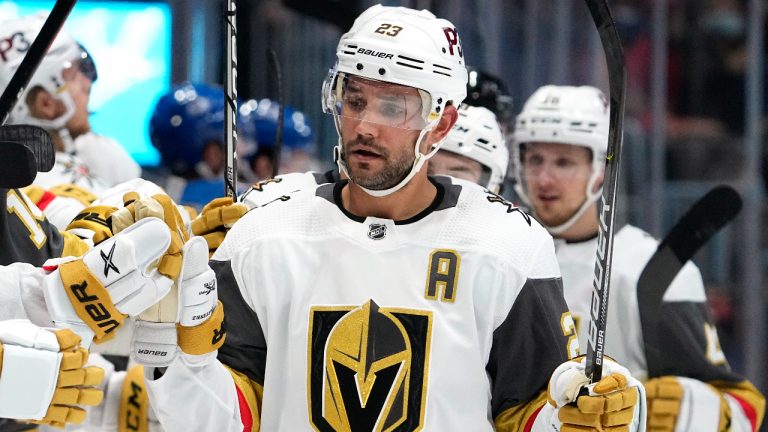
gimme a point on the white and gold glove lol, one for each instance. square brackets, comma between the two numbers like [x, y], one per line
[189, 321]
[43, 378]
[616, 403]
[664, 396]
[215, 219]
[120, 277]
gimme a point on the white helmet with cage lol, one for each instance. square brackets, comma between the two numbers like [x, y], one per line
[565, 115]
[477, 136]
[408, 48]
[16, 37]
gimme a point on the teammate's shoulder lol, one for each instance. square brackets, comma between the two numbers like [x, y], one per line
[496, 212]
[266, 191]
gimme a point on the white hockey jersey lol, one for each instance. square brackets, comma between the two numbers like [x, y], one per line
[440, 322]
[70, 169]
[687, 342]
[106, 159]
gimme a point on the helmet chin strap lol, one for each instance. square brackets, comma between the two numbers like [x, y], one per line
[418, 160]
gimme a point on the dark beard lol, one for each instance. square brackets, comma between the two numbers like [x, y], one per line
[395, 170]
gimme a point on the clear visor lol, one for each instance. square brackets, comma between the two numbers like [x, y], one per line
[362, 99]
[82, 62]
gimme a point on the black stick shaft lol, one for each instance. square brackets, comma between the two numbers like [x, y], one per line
[230, 96]
[278, 76]
[614, 56]
[34, 56]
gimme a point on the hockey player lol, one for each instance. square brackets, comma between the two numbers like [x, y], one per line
[298, 140]
[561, 139]
[474, 150]
[187, 128]
[56, 99]
[380, 303]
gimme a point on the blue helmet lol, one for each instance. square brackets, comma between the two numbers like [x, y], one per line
[262, 116]
[187, 118]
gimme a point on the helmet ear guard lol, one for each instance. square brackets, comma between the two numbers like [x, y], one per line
[565, 115]
[405, 47]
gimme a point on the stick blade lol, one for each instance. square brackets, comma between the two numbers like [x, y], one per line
[17, 165]
[36, 140]
[704, 219]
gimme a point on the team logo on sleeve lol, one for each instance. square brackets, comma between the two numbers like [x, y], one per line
[368, 368]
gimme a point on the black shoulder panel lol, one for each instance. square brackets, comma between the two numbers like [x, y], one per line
[245, 349]
[528, 345]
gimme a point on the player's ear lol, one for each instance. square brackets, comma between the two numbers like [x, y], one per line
[599, 181]
[447, 120]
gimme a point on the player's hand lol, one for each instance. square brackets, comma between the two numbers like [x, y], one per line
[120, 277]
[189, 321]
[44, 378]
[664, 396]
[608, 405]
[215, 220]
[94, 223]
[160, 206]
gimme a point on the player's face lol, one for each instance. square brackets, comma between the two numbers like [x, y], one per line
[379, 125]
[79, 87]
[556, 176]
[455, 165]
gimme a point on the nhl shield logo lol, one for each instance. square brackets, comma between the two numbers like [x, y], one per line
[368, 368]
[377, 231]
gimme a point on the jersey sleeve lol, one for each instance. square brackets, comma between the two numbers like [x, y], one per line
[682, 325]
[21, 296]
[244, 352]
[27, 235]
[529, 344]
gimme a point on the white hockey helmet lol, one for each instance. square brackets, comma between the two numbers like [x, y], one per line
[565, 115]
[476, 135]
[406, 47]
[16, 37]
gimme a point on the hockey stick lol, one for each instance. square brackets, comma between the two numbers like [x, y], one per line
[36, 140]
[17, 165]
[230, 110]
[702, 221]
[34, 56]
[614, 57]
[275, 65]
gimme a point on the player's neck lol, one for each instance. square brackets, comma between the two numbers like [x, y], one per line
[584, 228]
[407, 202]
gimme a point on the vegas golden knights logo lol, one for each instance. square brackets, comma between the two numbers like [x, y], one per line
[259, 186]
[368, 368]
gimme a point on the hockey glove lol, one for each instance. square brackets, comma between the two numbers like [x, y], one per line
[612, 404]
[43, 377]
[664, 396]
[94, 223]
[159, 206]
[92, 295]
[216, 219]
[188, 321]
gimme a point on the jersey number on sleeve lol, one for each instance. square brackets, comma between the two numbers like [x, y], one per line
[29, 214]
[715, 353]
[568, 324]
[442, 275]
